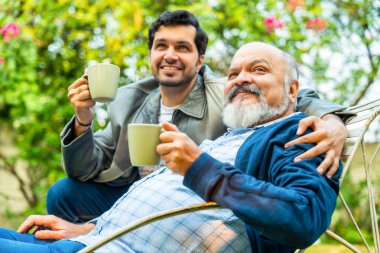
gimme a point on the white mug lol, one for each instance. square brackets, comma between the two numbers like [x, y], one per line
[103, 80]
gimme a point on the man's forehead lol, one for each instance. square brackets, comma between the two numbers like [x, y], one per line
[175, 33]
[258, 52]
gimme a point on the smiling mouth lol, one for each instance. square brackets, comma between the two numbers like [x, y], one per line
[170, 67]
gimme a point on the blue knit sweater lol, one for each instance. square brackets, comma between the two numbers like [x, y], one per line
[284, 204]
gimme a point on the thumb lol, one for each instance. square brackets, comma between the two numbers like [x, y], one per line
[169, 127]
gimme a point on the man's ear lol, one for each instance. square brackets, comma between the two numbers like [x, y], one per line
[200, 62]
[293, 90]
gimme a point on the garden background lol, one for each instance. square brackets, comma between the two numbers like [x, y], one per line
[45, 45]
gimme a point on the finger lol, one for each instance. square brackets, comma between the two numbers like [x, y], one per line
[169, 127]
[302, 126]
[49, 235]
[30, 222]
[26, 225]
[85, 96]
[82, 88]
[163, 149]
[313, 152]
[166, 158]
[82, 95]
[326, 163]
[38, 228]
[305, 124]
[80, 81]
[313, 137]
[333, 169]
[169, 136]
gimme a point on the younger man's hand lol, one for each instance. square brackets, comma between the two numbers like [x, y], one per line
[329, 135]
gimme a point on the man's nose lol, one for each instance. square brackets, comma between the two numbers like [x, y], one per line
[171, 55]
[243, 78]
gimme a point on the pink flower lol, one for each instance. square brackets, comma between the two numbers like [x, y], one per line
[10, 31]
[271, 23]
[291, 5]
[316, 24]
[2, 60]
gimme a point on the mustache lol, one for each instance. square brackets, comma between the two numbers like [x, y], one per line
[243, 88]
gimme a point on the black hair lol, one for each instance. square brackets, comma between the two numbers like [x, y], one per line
[180, 17]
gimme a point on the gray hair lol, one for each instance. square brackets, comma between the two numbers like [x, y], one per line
[292, 73]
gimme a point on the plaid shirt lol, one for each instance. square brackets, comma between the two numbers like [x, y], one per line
[204, 231]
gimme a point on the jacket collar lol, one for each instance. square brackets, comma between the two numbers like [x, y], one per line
[195, 102]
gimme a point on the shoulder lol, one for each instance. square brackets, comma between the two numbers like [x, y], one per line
[288, 125]
[211, 79]
[214, 86]
[276, 134]
[132, 95]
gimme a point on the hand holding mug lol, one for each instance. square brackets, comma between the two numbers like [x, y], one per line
[177, 149]
[100, 84]
[80, 98]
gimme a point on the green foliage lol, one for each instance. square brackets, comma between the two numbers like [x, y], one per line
[57, 40]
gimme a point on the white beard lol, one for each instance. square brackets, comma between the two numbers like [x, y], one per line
[242, 116]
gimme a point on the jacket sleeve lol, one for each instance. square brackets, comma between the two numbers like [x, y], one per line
[309, 102]
[293, 207]
[85, 157]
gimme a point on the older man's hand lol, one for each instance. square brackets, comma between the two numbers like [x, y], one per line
[177, 149]
[329, 135]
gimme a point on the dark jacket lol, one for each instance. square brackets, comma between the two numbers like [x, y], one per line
[284, 204]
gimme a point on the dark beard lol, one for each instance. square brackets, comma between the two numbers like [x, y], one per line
[183, 82]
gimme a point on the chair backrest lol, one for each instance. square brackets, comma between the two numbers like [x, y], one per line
[357, 128]
[355, 153]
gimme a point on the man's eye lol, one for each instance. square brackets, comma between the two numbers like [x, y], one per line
[259, 69]
[232, 76]
[160, 46]
[183, 48]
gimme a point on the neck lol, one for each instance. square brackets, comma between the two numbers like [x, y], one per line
[173, 96]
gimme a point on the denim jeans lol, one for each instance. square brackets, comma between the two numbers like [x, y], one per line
[12, 242]
[78, 201]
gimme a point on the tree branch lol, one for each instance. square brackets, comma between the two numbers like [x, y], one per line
[24, 187]
[374, 68]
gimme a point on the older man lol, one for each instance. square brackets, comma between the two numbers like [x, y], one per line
[284, 204]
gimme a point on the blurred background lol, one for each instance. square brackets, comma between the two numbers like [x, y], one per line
[45, 45]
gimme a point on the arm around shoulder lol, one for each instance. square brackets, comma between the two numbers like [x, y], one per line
[308, 101]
